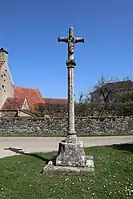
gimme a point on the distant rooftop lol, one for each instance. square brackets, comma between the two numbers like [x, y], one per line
[31, 94]
[127, 84]
[55, 101]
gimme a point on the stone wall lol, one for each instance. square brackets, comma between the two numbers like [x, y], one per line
[59, 125]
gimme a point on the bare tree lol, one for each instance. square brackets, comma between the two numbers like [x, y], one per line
[102, 95]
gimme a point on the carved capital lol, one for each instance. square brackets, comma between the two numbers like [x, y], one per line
[71, 63]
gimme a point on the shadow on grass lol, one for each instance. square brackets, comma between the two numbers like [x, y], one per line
[20, 151]
[125, 147]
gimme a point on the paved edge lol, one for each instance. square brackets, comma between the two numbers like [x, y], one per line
[49, 144]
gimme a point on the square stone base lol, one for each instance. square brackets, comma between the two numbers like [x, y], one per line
[71, 157]
[89, 167]
[71, 154]
[67, 169]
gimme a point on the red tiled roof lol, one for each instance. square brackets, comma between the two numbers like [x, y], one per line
[32, 95]
[1, 63]
[13, 104]
[55, 101]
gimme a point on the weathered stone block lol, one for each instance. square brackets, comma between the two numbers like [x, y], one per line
[89, 166]
[71, 154]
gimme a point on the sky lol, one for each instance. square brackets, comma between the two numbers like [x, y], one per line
[29, 30]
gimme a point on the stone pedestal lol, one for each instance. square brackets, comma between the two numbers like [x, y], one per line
[71, 153]
[71, 157]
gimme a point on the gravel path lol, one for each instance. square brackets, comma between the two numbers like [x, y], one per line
[48, 144]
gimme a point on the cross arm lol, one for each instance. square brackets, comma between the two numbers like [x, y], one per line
[63, 39]
[78, 39]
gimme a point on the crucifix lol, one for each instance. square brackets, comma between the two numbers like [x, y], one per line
[71, 41]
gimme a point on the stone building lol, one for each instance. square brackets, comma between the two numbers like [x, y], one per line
[18, 100]
[6, 82]
[111, 92]
[114, 98]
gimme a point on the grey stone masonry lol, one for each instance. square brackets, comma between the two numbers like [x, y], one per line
[48, 126]
[71, 154]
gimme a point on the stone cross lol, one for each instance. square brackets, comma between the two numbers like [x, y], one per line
[71, 155]
[70, 40]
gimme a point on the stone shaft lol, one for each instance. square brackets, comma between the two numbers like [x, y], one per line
[71, 119]
[70, 65]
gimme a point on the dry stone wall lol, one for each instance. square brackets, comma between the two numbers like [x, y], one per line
[59, 125]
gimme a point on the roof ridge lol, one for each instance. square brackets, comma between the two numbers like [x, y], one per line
[124, 81]
[27, 88]
[3, 50]
[54, 98]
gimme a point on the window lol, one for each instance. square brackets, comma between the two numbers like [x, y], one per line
[2, 86]
[25, 105]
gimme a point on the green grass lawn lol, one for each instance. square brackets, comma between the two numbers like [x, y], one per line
[20, 177]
